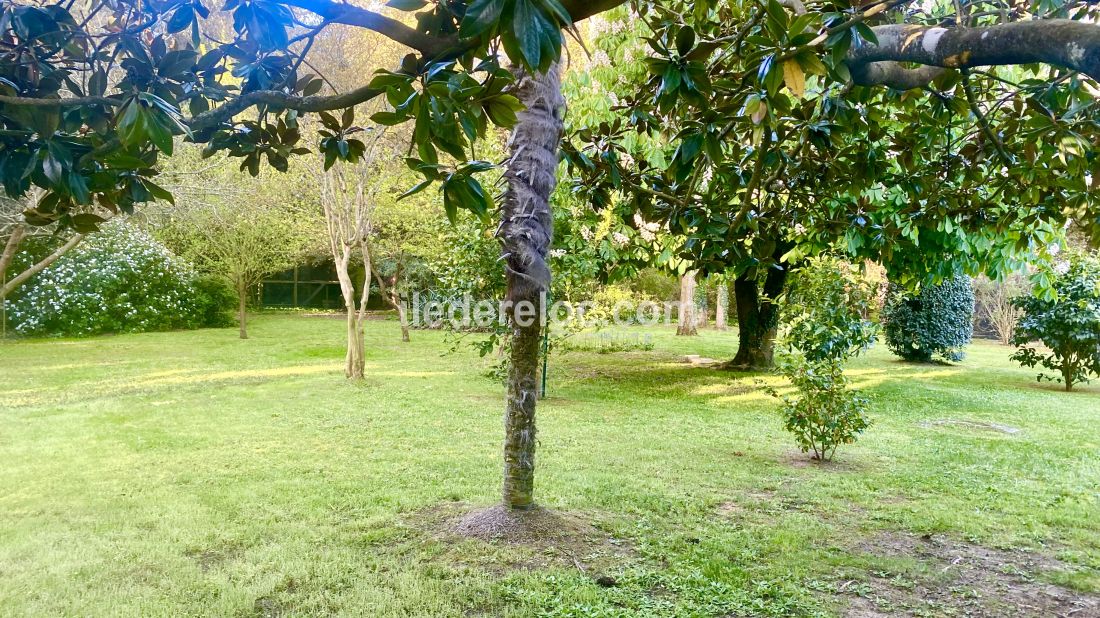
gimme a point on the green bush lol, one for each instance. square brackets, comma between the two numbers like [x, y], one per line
[215, 301]
[825, 309]
[118, 280]
[826, 413]
[937, 322]
[1067, 322]
[656, 285]
[825, 312]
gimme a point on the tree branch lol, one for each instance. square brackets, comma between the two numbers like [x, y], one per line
[40, 266]
[351, 15]
[1060, 42]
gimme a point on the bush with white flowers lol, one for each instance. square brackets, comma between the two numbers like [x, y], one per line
[119, 280]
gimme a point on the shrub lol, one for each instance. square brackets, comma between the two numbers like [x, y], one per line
[215, 301]
[936, 322]
[826, 413]
[118, 280]
[1067, 323]
[656, 285]
[825, 311]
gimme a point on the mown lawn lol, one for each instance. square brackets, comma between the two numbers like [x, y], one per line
[193, 473]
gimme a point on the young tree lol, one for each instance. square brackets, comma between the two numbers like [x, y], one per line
[348, 205]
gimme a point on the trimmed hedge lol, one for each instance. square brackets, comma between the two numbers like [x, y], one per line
[938, 322]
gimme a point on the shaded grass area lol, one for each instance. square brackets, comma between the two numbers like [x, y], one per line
[195, 473]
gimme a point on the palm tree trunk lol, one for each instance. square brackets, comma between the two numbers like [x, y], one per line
[526, 227]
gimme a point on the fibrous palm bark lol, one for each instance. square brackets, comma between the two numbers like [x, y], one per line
[525, 231]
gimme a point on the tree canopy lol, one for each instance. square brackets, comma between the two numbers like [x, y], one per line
[93, 92]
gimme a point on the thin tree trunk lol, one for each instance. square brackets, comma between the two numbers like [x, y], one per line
[40, 266]
[389, 292]
[242, 314]
[686, 324]
[354, 361]
[11, 247]
[721, 302]
[525, 231]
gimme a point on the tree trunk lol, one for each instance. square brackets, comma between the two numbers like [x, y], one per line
[722, 301]
[524, 233]
[10, 248]
[389, 292]
[686, 324]
[242, 315]
[757, 319]
[22, 277]
[354, 360]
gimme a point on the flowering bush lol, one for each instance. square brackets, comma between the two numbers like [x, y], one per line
[119, 280]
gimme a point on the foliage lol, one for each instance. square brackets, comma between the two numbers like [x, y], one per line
[1068, 324]
[826, 413]
[214, 300]
[121, 280]
[995, 313]
[240, 228]
[826, 310]
[656, 285]
[609, 343]
[936, 322]
[780, 138]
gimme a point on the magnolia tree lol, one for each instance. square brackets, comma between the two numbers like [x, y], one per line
[93, 93]
[931, 137]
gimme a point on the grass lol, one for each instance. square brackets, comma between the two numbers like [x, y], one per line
[193, 473]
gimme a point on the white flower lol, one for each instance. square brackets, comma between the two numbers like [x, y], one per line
[1061, 267]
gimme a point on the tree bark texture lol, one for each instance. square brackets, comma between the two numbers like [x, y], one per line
[525, 230]
[721, 306]
[757, 319]
[22, 277]
[686, 324]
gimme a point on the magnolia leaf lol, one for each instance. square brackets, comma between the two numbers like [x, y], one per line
[794, 77]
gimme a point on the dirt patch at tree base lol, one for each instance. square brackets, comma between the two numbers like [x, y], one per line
[955, 578]
[539, 538]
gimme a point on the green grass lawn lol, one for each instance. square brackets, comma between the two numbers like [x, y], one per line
[193, 473]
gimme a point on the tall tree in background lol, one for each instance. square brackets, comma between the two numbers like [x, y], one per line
[686, 324]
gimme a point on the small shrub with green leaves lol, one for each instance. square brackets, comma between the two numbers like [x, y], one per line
[1066, 321]
[118, 280]
[826, 413]
[825, 311]
[938, 322]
